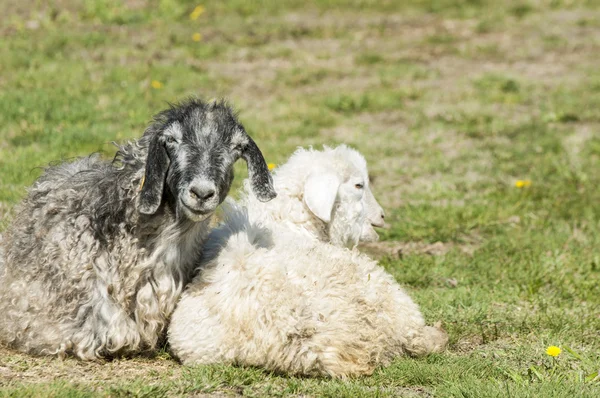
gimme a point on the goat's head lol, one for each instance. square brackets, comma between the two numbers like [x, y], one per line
[191, 151]
[337, 191]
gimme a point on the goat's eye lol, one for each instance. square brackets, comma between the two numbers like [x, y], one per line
[170, 139]
[359, 186]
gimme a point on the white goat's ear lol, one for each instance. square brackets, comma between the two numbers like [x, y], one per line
[320, 191]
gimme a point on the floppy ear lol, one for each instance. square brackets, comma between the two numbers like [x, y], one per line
[260, 177]
[320, 192]
[157, 165]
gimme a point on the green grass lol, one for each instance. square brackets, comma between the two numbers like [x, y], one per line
[451, 101]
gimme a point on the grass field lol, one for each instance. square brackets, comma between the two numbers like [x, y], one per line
[480, 120]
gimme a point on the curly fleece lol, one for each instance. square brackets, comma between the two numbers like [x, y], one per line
[274, 292]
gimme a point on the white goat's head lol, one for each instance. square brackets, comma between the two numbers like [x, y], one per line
[336, 191]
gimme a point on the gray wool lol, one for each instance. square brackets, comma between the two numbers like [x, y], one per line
[98, 252]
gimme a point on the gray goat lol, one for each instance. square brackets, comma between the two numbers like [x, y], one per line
[99, 252]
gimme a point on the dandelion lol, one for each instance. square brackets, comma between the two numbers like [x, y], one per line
[271, 166]
[196, 37]
[522, 183]
[553, 351]
[156, 84]
[199, 10]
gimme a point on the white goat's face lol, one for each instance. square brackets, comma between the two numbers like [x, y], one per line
[340, 196]
[191, 152]
[362, 204]
[373, 216]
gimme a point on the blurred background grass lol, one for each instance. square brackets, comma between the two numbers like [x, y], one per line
[480, 121]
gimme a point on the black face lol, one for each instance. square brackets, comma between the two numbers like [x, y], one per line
[191, 154]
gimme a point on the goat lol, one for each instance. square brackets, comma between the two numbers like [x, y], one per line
[99, 252]
[277, 288]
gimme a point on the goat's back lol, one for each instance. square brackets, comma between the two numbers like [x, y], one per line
[59, 259]
[273, 298]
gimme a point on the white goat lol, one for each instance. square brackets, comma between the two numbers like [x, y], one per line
[276, 290]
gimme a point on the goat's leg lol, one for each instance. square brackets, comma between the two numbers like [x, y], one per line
[102, 328]
[419, 339]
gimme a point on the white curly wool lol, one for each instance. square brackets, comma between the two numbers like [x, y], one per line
[274, 292]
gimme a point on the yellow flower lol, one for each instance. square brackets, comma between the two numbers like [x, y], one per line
[553, 351]
[522, 183]
[199, 10]
[196, 37]
[271, 166]
[156, 84]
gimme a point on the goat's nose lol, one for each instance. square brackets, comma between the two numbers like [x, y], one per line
[202, 191]
[379, 221]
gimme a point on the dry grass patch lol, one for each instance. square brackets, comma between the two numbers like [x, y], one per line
[397, 250]
[16, 368]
